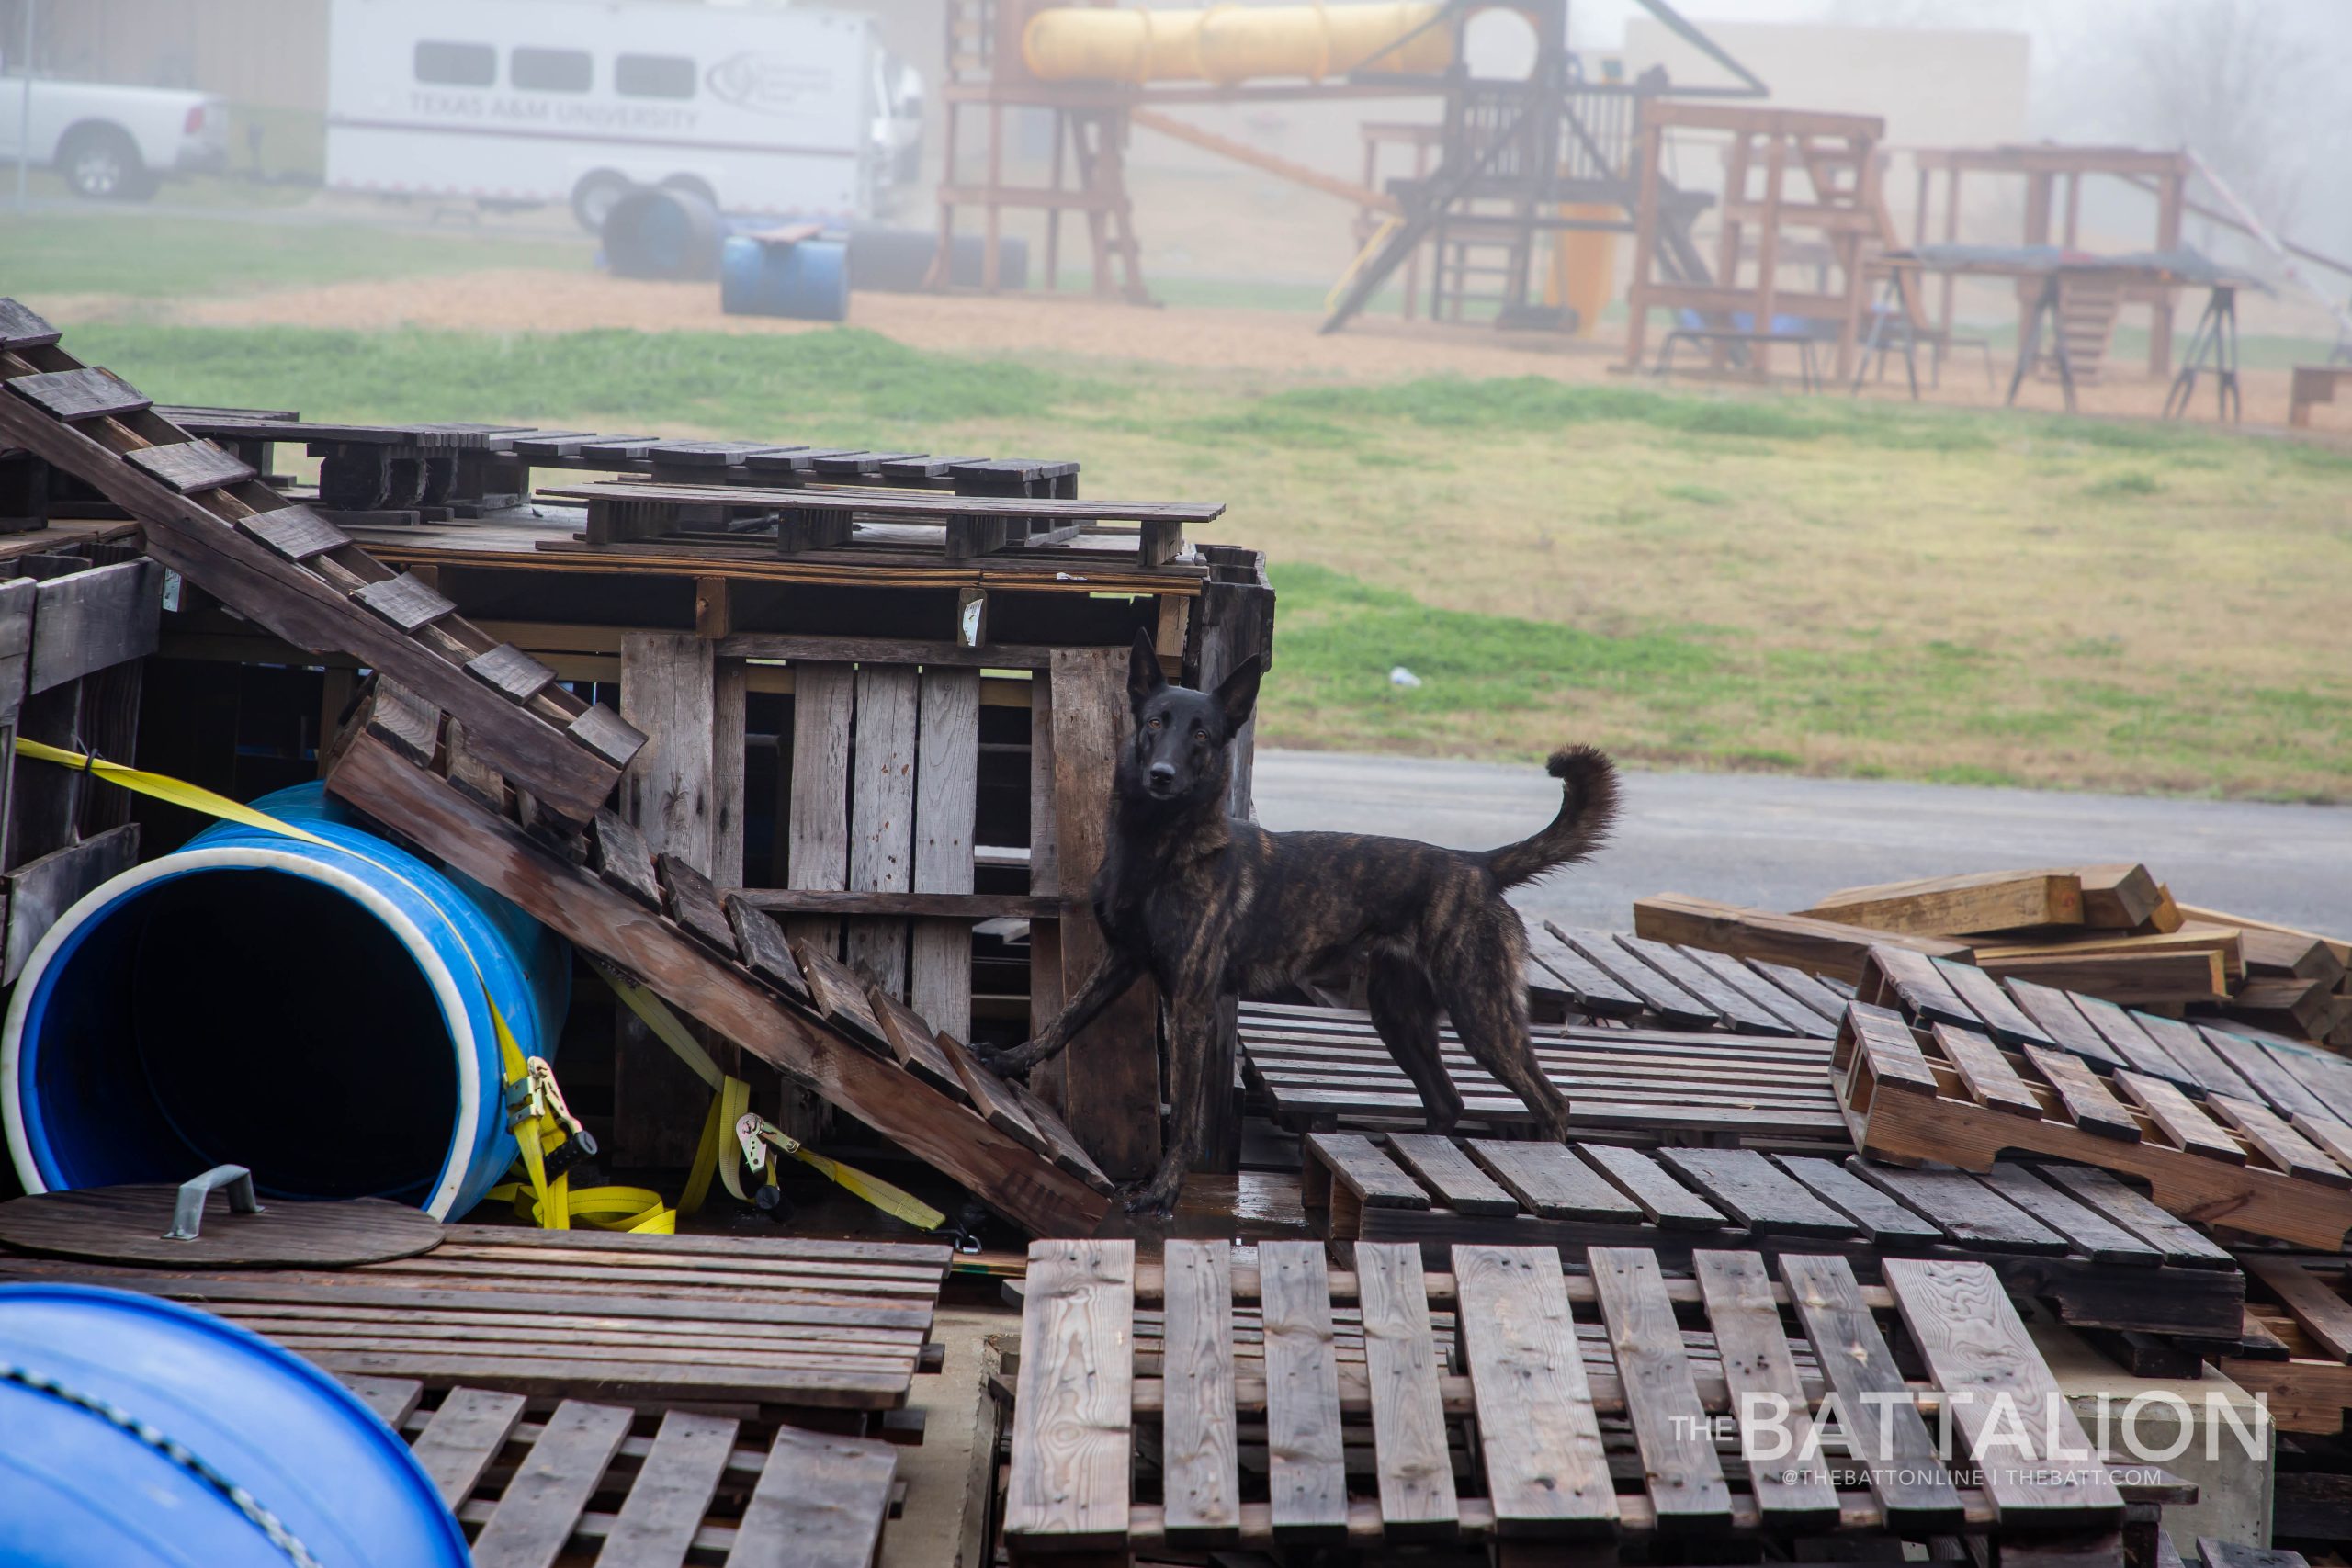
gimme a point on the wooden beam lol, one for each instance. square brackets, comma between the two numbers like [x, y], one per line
[1280, 168]
[1113, 1067]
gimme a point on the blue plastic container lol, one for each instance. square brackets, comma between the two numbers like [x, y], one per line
[315, 1014]
[77, 1491]
[807, 280]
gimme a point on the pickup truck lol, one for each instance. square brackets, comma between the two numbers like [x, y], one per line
[110, 143]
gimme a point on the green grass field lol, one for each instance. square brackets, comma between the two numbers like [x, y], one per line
[128, 251]
[1801, 585]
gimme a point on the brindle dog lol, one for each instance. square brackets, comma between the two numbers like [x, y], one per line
[1214, 907]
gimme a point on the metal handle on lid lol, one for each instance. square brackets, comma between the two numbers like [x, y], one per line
[187, 1214]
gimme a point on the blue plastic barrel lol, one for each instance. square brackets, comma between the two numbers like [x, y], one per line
[79, 1490]
[807, 280]
[315, 1014]
[660, 232]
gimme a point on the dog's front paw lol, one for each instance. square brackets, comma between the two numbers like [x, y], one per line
[1154, 1201]
[1005, 1064]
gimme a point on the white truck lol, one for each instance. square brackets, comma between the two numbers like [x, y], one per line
[110, 143]
[758, 107]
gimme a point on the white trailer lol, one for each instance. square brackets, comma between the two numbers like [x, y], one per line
[763, 108]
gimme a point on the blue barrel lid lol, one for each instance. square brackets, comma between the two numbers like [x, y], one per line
[77, 1491]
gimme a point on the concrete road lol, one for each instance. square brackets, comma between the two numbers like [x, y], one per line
[1780, 844]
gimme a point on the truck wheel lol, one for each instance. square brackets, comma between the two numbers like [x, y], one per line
[102, 163]
[593, 197]
[693, 185]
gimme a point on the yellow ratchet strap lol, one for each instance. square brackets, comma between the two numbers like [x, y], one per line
[547, 1125]
[730, 1122]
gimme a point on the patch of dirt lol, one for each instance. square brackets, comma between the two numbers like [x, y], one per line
[1192, 336]
[1277, 343]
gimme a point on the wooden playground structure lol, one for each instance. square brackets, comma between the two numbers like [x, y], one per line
[1509, 166]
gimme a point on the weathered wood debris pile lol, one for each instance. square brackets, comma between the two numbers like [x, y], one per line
[810, 744]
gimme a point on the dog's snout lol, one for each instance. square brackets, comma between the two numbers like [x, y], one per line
[1163, 773]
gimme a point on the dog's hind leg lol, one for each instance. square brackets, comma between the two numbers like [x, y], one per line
[1479, 977]
[1404, 1013]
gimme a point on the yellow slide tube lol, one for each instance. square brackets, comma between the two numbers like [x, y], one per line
[1233, 43]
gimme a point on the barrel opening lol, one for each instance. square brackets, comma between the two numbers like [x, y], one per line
[250, 1017]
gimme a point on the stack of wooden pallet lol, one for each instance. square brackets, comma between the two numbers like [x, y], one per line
[1939, 1062]
[1321, 1068]
[2105, 931]
[2103, 1255]
[1273, 1402]
[582, 1482]
[793, 1328]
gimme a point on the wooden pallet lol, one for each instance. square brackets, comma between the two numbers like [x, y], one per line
[500, 474]
[726, 964]
[1324, 1068]
[2302, 1318]
[1614, 976]
[629, 1489]
[1584, 1415]
[2158, 1277]
[793, 520]
[2224, 1066]
[77, 619]
[1963, 1096]
[210, 519]
[642, 1320]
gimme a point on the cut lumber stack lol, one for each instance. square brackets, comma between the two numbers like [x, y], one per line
[2109, 931]
[2113, 931]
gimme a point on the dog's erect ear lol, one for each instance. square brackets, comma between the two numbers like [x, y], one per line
[1144, 678]
[1237, 694]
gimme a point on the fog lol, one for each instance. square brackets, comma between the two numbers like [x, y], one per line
[2256, 88]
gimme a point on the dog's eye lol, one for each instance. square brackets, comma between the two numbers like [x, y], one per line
[1152, 724]
[1199, 738]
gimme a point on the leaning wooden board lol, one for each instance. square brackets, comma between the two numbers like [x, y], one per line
[1468, 1404]
[1907, 1097]
[229, 535]
[2039, 1238]
[774, 1322]
[821, 1032]
[687, 1486]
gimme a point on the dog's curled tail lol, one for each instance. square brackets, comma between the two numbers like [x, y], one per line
[1587, 810]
